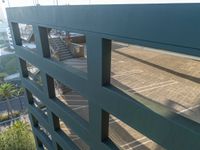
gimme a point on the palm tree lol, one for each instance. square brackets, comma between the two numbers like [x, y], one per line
[7, 91]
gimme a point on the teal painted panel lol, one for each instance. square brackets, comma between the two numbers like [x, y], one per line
[171, 27]
[176, 25]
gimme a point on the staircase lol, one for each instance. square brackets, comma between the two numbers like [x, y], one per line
[59, 48]
[61, 52]
[62, 89]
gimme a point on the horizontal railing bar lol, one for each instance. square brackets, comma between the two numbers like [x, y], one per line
[151, 119]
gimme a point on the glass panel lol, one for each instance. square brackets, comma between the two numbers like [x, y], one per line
[39, 104]
[45, 148]
[164, 78]
[73, 136]
[42, 129]
[72, 99]
[59, 147]
[34, 74]
[27, 36]
[68, 48]
[127, 138]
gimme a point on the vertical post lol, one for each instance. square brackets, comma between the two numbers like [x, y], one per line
[99, 56]
[23, 68]
[16, 33]
[44, 42]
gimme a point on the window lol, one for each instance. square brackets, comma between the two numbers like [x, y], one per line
[34, 74]
[127, 138]
[68, 48]
[170, 80]
[68, 98]
[44, 134]
[44, 130]
[37, 103]
[64, 129]
[27, 36]
[72, 99]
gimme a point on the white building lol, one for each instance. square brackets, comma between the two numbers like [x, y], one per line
[5, 36]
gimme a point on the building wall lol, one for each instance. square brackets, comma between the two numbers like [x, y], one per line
[155, 26]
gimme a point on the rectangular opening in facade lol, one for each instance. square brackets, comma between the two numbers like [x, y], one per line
[45, 148]
[43, 132]
[58, 147]
[40, 144]
[37, 103]
[27, 36]
[69, 48]
[34, 74]
[127, 138]
[170, 80]
[72, 99]
[40, 105]
[64, 129]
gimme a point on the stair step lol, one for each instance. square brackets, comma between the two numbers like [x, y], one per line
[64, 51]
[65, 56]
[62, 59]
[60, 48]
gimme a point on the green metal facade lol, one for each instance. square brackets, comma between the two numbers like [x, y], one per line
[171, 27]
